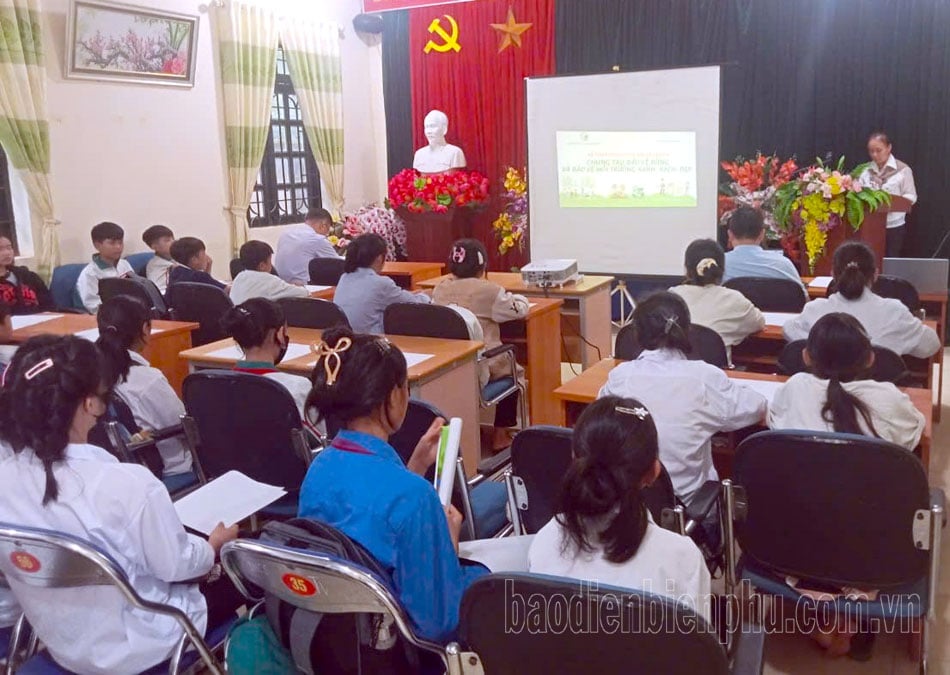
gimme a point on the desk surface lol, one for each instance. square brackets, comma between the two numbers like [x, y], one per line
[823, 292]
[774, 332]
[68, 324]
[410, 268]
[512, 282]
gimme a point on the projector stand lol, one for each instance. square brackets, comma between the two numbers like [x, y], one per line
[626, 315]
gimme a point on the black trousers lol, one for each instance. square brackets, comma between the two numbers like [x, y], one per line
[223, 600]
[895, 241]
[506, 412]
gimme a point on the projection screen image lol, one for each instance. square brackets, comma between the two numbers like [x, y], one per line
[626, 169]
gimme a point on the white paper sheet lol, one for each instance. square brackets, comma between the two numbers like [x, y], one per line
[413, 359]
[764, 387]
[92, 334]
[234, 353]
[314, 289]
[32, 319]
[228, 499]
[778, 318]
[508, 554]
[820, 282]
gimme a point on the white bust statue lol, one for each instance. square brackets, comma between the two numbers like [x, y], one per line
[438, 156]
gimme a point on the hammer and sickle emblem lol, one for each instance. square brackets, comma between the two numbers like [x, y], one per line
[450, 41]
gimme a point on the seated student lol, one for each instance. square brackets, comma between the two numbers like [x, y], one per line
[107, 263]
[257, 280]
[689, 400]
[160, 239]
[300, 244]
[125, 329]
[887, 321]
[603, 531]
[837, 395]
[51, 478]
[363, 293]
[747, 257]
[194, 263]
[360, 486]
[724, 310]
[492, 304]
[20, 289]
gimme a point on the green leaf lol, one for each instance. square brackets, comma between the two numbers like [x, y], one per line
[444, 199]
[859, 169]
[840, 163]
[854, 208]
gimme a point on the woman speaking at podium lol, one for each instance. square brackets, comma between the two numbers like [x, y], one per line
[888, 173]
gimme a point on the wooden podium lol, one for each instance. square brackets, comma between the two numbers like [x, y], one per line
[873, 232]
[429, 235]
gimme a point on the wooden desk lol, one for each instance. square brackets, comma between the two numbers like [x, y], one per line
[409, 275]
[583, 389]
[447, 379]
[324, 294]
[162, 350]
[586, 311]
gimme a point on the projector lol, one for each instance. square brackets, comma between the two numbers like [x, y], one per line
[547, 273]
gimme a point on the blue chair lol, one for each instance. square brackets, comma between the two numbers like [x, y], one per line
[63, 286]
[68, 561]
[139, 261]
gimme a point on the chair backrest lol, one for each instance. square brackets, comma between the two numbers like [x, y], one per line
[540, 456]
[888, 366]
[325, 271]
[136, 287]
[63, 286]
[247, 423]
[419, 417]
[424, 320]
[312, 313]
[707, 345]
[585, 629]
[894, 287]
[235, 267]
[202, 303]
[837, 508]
[139, 261]
[770, 295]
[659, 495]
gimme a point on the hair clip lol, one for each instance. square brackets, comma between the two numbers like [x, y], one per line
[243, 311]
[458, 254]
[704, 265]
[671, 322]
[639, 412]
[43, 365]
[853, 265]
[383, 344]
[331, 357]
[481, 260]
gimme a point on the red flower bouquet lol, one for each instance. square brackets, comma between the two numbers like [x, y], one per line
[439, 192]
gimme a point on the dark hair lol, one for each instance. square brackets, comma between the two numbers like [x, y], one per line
[853, 268]
[839, 350]
[249, 322]
[37, 413]
[120, 321]
[156, 232]
[186, 248]
[705, 262]
[106, 230]
[615, 446]
[468, 258]
[880, 135]
[746, 223]
[369, 370]
[317, 213]
[362, 251]
[254, 253]
[661, 321]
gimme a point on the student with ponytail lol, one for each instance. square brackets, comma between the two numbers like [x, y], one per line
[887, 321]
[603, 531]
[721, 309]
[51, 478]
[125, 328]
[837, 394]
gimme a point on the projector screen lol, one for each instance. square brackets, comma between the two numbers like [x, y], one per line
[623, 167]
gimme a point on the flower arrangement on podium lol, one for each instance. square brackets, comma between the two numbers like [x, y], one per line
[375, 219]
[439, 192]
[822, 199]
[511, 225]
[754, 183]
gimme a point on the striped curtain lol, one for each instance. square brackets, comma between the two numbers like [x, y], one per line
[24, 126]
[313, 56]
[247, 46]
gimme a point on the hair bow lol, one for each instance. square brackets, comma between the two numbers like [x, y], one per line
[704, 265]
[458, 254]
[331, 357]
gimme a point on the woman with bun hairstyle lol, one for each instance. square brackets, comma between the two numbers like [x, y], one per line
[603, 531]
[125, 329]
[360, 485]
[724, 310]
[887, 321]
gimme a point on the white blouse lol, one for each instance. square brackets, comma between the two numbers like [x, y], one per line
[723, 310]
[797, 404]
[125, 510]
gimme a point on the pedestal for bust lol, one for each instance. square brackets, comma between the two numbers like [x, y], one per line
[430, 235]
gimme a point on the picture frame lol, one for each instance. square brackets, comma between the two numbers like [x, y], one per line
[126, 43]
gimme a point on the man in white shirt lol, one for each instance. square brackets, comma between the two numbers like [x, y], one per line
[888, 173]
[107, 263]
[747, 257]
[300, 244]
[258, 280]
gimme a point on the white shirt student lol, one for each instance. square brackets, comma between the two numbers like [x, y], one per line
[87, 285]
[300, 244]
[723, 310]
[253, 284]
[157, 271]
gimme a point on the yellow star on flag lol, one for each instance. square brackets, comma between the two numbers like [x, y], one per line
[510, 31]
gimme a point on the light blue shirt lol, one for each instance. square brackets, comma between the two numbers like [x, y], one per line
[751, 260]
[364, 296]
[367, 493]
[296, 247]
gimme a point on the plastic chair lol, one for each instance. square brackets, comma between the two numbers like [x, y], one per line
[888, 366]
[53, 560]
[867, 519]
[63, 287]
[540, 456]
[602, 629]
[312, 313]
[136, 287]
[888, 286]
[201, 303]
[139, 261]
[248, 423]
[707, 345]
[325, 271]
[770, 295]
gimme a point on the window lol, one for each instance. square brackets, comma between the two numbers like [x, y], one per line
[288, 184]
[7, 219]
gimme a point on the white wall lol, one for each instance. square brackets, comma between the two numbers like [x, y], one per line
[144, 154]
